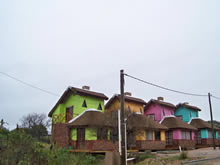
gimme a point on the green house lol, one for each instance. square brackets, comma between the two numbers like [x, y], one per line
[74, 101]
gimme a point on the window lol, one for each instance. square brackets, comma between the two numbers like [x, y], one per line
[190, 114]
[84, 104]
[141, 110]
[183, 133]
[100, 106]
[210, 134]
[151, 116]
[149, 135]
[69, 113]
[163, 113]
[157, 135]
[129, 110]
[186, 135]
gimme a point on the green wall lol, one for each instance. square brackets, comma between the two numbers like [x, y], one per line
[185, 113]
[204, 134]
[76, 101]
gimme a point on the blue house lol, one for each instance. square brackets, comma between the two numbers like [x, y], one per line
[186, 111]
[204, 133]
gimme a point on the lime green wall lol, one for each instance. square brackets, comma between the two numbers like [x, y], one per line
[91, 134]
[76, 101]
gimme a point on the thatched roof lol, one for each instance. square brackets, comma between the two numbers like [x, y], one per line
[160, 102]
[83, 92]
[200, 124]
[91, 118]
[139, 121]
[173, 122]
[95, 118]
[127, 98]
[186, 105]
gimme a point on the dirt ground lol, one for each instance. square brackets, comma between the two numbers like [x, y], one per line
[170, 158]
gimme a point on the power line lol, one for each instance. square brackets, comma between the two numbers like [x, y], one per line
[165, 88]
[30, 85]
[215, 97]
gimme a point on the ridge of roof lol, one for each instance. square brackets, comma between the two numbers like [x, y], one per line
[127, 98]
[77, 90]
[188, 106]
[162, 103]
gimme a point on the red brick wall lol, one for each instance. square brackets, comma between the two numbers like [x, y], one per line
[60, 134]
[150, 145]
[184, 143]
[209, 141]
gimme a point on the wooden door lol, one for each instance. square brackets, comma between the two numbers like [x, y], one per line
[69, 113]
[169, 137]
[80, 138]
[198, 137]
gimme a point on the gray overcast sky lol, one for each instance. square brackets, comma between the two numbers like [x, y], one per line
[55, 44]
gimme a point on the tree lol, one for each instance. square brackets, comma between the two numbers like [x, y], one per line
[36, 124]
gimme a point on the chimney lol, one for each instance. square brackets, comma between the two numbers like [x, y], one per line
[85, 87]
[160, 98]
[127, 93]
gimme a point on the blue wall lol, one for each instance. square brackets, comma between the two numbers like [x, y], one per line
[186, 113]
[204, 134]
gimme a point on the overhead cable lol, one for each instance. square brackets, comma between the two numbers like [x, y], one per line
[28, 84]
[215, 97]
[165, 88]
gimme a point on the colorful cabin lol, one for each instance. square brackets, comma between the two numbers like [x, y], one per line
[132, 104]
[143, 133]
[179, 134]
[90, 131]
[204, 133]
[74, 101]
[186, 111]
[158, 109]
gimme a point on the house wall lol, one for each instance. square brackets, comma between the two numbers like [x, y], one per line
[162, 136]
[134, 107]
[185, 113]
[177, 134]
[204, 133]
[76, 101]
[157, 110]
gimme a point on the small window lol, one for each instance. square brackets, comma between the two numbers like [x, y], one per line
[149, 135]
[84, 104]
[190, 114]
[129, 110]
[163, 112]
[100, 107]
[141, 110]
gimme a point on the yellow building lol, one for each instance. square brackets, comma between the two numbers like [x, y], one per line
[141, 130]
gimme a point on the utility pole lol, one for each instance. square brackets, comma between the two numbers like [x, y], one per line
[213, 134]
[123, 148]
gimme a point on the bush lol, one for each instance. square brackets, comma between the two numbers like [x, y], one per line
[183, 155]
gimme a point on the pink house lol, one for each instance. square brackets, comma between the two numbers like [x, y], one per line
[158, 109]
[179, 133]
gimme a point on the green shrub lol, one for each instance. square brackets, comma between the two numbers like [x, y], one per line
[183, 155]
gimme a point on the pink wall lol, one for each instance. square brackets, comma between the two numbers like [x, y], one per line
[193, 135]
[177, 134]
[157, 110]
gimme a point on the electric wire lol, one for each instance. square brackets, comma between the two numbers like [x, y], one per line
[165, 88]
[215, 97]
[28, 84]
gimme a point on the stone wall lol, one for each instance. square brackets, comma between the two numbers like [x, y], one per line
[209, 141]
[184, 143]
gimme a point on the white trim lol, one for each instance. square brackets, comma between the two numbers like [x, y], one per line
[87, 110]
[167, 117]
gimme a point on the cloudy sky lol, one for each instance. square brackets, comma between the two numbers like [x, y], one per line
[55, 44]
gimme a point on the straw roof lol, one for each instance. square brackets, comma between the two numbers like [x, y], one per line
[173, 122]
[83, 92]
[139, 121]
[200, 124]
[127, 98]
[186, 105]
[160, 102]
[90, 118]
[95, 118]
